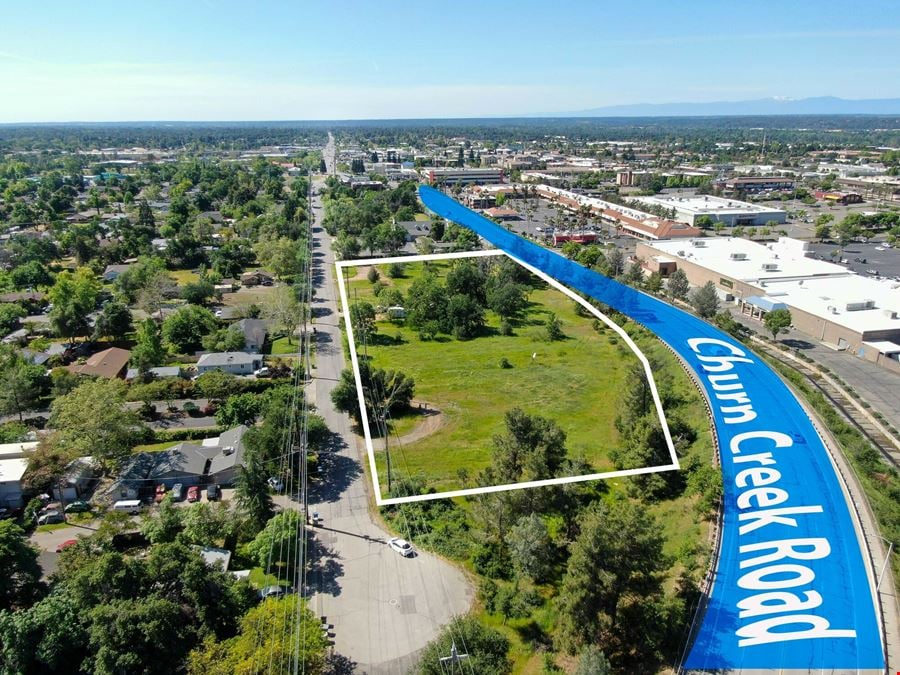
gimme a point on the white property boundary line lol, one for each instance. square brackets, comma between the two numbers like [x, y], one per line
[511, 486]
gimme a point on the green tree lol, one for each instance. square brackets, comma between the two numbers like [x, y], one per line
[704, 222]
[9, 317]
[467, 278]
[616, 560]
[198, 292]
[778, 321]
[260, 647]
[74, 297]
[22, 384]
[185, 328]
[275, 547]
[530, 548]
[464, 316]
[148, 351]
[48, 637]
[591, 661]
[706, 300]
[654, 283]
[21, 578]
[239, 409]
[217, 385]
[283, 256]
[678, 284]
[110, 430]
[252, 489]
[163, 525]
[114, 321]
[487, 649]
[533, 448]
[553, 326]
[282, 311]
[362, 319]
[506, 300]
[224, 340]
[426, 302]
[140, 635]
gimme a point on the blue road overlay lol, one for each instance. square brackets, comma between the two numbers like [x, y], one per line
[791, 588]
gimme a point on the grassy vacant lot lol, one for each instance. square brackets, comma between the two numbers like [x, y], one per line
[572, 381]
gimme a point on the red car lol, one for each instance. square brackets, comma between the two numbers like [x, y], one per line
[193, 494]
[66, 544]
[160, 492]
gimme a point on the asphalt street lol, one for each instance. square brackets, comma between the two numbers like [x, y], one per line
[384, 608]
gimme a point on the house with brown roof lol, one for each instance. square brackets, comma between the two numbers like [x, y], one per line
[109, 363]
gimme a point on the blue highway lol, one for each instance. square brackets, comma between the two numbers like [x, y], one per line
[791, 588]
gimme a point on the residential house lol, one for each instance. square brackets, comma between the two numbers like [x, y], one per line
[236, 363]
[257, 278]
[112, 272]
[77, 479]
[109, 363]
[213, 460]
[254, 331]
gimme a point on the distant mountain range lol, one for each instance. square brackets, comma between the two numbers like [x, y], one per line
[820, 105]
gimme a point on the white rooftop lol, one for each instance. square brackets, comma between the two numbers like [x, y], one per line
[16, 450]
[750, 261]
[706, 204]
[863, 304]
[12, 470]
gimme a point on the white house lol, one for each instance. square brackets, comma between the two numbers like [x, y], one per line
[236, 363]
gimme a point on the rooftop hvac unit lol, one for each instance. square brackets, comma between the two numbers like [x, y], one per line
[681, 253]
[699, 243]
[770, 267]
[738, 256]
[890, 313]
[832, 309]
[860, 305]
[228, 450]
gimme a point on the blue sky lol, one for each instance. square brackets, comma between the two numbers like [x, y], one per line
[304, 59]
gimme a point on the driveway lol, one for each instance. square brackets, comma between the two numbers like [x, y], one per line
[384, 608]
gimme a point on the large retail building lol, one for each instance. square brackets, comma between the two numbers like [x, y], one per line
[827, 302]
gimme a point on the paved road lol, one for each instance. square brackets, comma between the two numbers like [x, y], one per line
[384, 608]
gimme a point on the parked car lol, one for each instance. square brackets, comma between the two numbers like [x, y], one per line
[262, 372]
[51, 518]
[401, 546]
[160, 493]
[193, 494]
[315, 519]
[78, 507]
[177, 492]
[66, 544]
[274, 592]
[276, 484]
[6, 513]
[212, 492]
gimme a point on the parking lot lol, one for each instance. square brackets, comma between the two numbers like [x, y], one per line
[865, 259]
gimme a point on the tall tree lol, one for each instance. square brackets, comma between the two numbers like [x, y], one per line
[20, 581]
[185, 329]
[74, 297]
[21, 383]
[114, 321]
[148, 351]
[706, 300]
[252, 492]
[778, 321]
[110, 430]
[617, 559]
[533, 448]
[678, 284]
[487, 649]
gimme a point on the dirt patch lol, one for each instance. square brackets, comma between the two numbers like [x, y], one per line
[430, 420]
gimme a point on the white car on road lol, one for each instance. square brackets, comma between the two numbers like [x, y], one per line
[401, 546]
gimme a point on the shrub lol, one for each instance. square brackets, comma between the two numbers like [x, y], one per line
[504, 363]
[373, 275]
[505, 327]
[396, 270]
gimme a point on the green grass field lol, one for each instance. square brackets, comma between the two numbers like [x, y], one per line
[573, 382]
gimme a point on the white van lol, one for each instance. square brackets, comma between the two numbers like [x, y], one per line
[132, 506]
